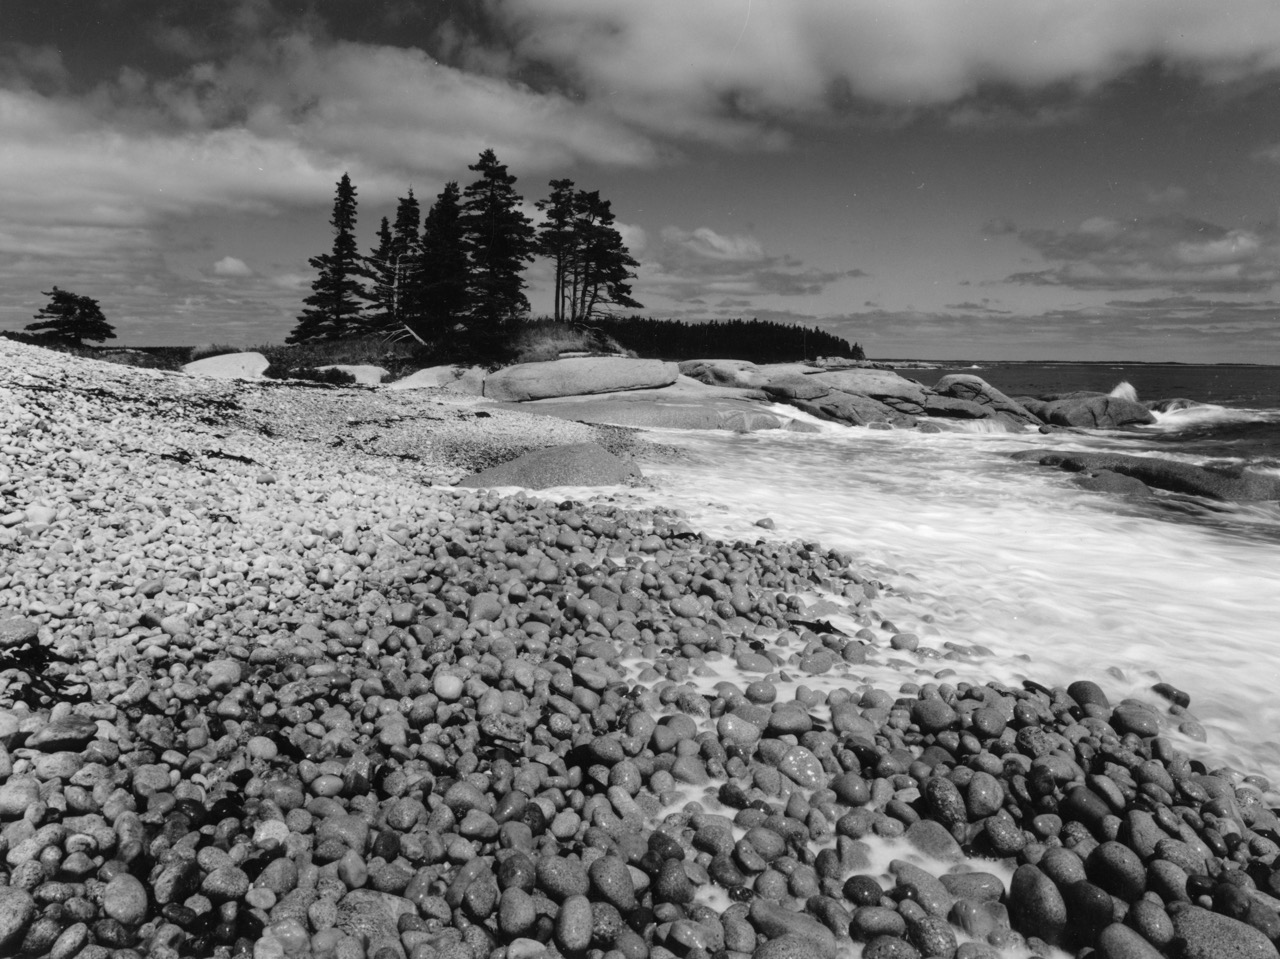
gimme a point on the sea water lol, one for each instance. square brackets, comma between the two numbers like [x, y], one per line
[1057, 583]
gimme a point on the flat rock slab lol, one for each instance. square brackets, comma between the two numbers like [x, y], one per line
[878, 384]
[687, 404]
[578, 464]
[1170, 475]
[455, 379]
[241, 366]
[573, 377]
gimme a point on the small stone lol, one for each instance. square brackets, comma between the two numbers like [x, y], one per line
[16, 631]
[222, 675]
[1131, 717]
[1087, 693]
[803, 766]
[933, 715]
[17, 910]
[561, 877]
[125, 899]
[775, 922]
[1117, 941]
[225, 884]
[610, 877]
[574, 924]
[1117, 869]
[1036, 906]
[1202, 934]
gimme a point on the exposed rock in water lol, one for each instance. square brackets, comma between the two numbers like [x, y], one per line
[1090, 411]
[1233, 485]
[880, 385]
[965, 386]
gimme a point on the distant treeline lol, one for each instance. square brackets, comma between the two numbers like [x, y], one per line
[759, 341]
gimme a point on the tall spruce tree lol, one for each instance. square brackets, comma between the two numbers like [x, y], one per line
[499, 242]
[338, 296]
[380, 316]
[68, 319]
[444, 271]
[592, 265]
[556, 240]
[406, 261]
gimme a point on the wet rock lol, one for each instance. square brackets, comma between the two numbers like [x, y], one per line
[775, 921]
[1036, 906]
[1201, 934]
[1118, 941]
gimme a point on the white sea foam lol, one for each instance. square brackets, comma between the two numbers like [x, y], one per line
[1059, 584]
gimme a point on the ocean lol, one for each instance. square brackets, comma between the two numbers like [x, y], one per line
[1048, 582]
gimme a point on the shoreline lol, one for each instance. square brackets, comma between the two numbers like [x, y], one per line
[516, 629]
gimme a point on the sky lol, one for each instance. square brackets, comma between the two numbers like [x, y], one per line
[1001, 179]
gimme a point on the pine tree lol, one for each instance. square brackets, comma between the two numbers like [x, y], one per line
[556, 239]
[337, 294]
[591, 263]
[444, 272]
[381, 314]
[69, 319]
[499, 241]
[406, 262]
[604, 267]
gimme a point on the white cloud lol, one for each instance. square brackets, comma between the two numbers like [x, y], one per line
[715, 68]
[706, 243]
[230, 266]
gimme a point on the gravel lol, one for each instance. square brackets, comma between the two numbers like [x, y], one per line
[266, 691]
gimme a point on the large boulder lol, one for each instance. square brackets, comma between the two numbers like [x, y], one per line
[966, 386]
[795, 386]
[739, 373]
[577, 464]
[1237, 485]
[239, 366]
[904, 395]
[577, 376]
[854, 410]
[1091, 411]
[949, 406]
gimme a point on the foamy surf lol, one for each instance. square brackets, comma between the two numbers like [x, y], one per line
[1058, 583]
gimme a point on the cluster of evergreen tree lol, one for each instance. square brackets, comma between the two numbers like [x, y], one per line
[463, 263]
[759, 341]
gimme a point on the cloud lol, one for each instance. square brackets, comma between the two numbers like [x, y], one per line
[94, 181]
[702, 261]
[1172, 252]
[732, 70]
[230, 266]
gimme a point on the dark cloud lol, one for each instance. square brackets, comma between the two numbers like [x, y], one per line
[983, 307]
[1171, 252]
[689, 262]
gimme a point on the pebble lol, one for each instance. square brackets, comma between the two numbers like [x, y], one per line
[125, 899]
[411, 715]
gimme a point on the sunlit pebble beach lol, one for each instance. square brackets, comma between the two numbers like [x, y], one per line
[298, 702]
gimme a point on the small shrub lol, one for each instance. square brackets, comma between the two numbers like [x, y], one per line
[330, 377]
[544, 339]
[206, 350]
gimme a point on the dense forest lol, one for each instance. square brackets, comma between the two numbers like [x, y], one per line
[759, 341]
